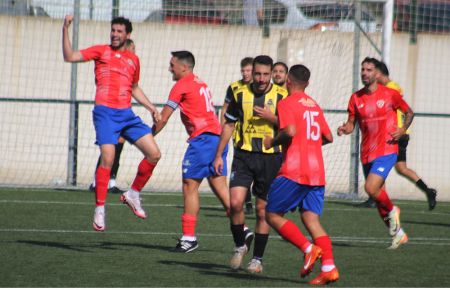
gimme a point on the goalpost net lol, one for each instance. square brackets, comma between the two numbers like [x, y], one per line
[38, 150]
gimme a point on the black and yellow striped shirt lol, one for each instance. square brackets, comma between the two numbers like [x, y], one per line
[252, 129]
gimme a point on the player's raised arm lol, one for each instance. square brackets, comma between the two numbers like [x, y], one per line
[69, 54]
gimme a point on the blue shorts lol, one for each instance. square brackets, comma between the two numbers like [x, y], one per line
[286, 195]
[380, 166]
[199, 157]
[111, 123]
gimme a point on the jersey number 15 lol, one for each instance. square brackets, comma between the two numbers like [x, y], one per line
[312, 127]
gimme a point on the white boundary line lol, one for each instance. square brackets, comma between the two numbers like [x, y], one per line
[370, 240]
[45, 202]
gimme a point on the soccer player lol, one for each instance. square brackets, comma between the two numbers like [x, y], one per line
[301, 180]
[197, 111]
[246, 73]
[401, 167]
[279, 74]
[112, 188]
[252, 109]
[117, 77]
[374, 107]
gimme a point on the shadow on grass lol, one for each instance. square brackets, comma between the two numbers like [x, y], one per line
[89, 248]
[213, 269]
[426, 223]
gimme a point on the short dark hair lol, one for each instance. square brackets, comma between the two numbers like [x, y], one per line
[185, 56]
[299, 73]
[263, 59]
[246, 61]
[371, 60]
[282, 64]
[382, 67]
[124, 21]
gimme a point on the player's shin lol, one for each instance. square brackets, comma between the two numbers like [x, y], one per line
[144, 173]
[101, 180]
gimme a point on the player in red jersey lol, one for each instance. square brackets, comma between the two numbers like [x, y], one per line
[116, 77]
[301, 179]
[197, 111]
[112, 188]
[374, 108]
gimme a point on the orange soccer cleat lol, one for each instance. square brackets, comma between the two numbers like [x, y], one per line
[310, 260]
[325, 277]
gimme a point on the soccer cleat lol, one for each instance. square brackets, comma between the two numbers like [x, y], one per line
[255, 266]
[431, 198]
[238, 256]
[249, 236]
[134, 204]
[325, 277]
[394, 221]
[115, 189]
[184, 246]
[310, 260]
[399, 239]
[99, 219]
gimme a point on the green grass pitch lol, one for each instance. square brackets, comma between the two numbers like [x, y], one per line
[46, 240]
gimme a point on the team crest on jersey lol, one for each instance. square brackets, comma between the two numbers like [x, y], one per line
[360, 106]
[117, 55]
[380, 104]
[270, 103]
[250, 129]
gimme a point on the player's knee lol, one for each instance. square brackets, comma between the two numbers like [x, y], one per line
[370, 189]
[154, 157]
[236, 206]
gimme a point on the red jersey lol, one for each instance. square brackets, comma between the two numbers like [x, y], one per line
[116, 71]
[302, 157]
[377, 118]
[197, 111]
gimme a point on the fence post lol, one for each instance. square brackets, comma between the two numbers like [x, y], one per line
[73, 117]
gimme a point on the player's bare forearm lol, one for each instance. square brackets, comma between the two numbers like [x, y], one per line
[68, 53]
[284, 136]
[347, 127]
[165, 115]
[409, 116]
[142, 99]
[227, 131]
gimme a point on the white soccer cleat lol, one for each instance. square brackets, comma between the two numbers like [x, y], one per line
[238, 256]
[99, 219]
[134, 204]
[255, 266]
[399, 239]
[394, 221]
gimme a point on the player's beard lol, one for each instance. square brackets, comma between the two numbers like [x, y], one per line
[119, 46]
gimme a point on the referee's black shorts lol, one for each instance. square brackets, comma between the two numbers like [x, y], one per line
[259, 169]
[402, 144]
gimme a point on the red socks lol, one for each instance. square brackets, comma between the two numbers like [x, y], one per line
[188, 224]
[101, 185]
[324, 242]
[291, 233]
[145, 170]
[384, 204]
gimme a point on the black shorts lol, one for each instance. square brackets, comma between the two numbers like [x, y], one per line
[259, 169]
[402, 144]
